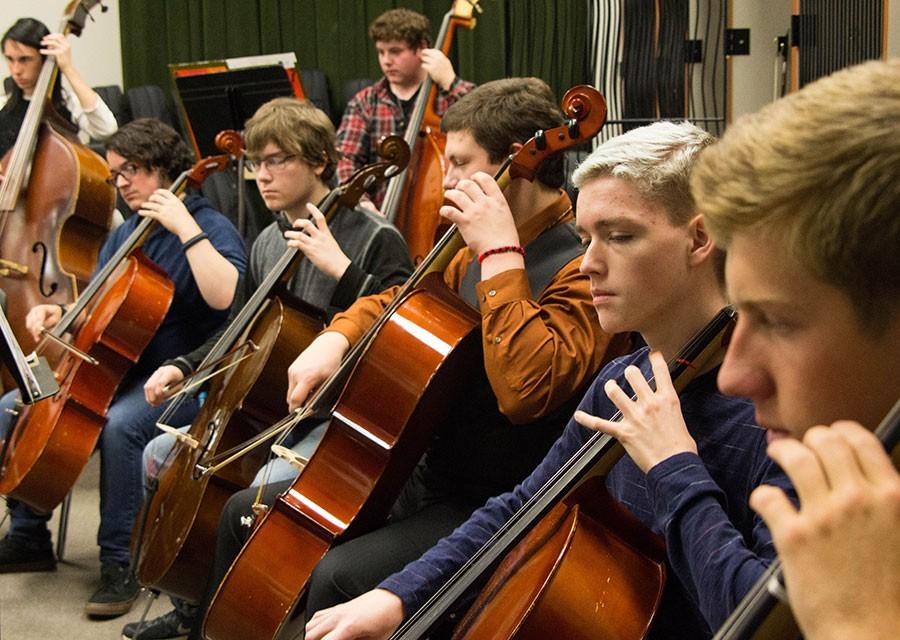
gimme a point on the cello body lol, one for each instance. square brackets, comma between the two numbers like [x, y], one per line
[183, 513]
[56, 228]
[589, 569]
[52, 440]
[418, 216]
[416, 368]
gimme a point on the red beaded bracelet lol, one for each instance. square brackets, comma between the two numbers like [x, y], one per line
[513, 248]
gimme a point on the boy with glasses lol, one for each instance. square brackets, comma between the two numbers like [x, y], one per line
[202, 254]
[290, 145]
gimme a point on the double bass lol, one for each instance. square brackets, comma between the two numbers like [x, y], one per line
[181, 513]
[413, 199]
[55, 203]
[117, 315]
[421, 356]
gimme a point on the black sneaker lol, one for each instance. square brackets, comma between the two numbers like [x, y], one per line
[168, 625]
[17, 556]
[118, 591]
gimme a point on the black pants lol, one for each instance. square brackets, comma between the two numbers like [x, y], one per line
[235, 527]
[418, 520]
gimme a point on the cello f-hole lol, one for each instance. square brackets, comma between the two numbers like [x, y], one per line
[40, 246]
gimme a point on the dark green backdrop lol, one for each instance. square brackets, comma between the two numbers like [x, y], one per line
[544, 38]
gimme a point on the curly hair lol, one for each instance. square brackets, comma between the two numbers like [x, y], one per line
[401, 24]
[152, 144]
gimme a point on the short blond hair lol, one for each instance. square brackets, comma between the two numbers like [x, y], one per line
[818, 175]
[656, 160]
[298, 127]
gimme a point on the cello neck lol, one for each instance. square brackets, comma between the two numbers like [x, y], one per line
[425, 101]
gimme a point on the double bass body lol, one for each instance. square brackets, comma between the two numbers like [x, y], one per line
[50, 237]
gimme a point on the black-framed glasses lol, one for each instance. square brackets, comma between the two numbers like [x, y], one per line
[273, 163]
[128, 171]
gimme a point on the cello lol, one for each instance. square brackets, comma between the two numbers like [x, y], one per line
[765, 611]
[369, 449]
[573, 535]
[123, 306]
[55, 204]
[413, 199]
[178, 524]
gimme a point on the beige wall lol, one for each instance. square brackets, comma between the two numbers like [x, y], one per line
[752, 77]
[97, 53]
[893, 28]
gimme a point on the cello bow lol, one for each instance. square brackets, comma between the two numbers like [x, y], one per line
[182, 508]
[369, 449]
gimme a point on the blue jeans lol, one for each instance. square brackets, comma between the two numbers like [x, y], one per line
[303, 443]
[130, 424]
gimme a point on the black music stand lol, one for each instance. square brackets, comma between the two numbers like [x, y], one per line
[212, 102]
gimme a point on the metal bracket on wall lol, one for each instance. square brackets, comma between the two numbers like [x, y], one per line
[737, 42]
[693, 51]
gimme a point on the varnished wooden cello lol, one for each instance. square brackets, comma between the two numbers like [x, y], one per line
[122, 307]
[585, 567]
[413, 200]
[55, 204]
[178, 525]
[370, 448]
[764, 613]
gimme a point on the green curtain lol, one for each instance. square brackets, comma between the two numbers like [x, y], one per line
[544, 38]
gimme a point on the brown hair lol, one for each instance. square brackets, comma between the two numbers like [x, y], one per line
[298, 127]
[154, 145]
[401, 24]
[502, 112]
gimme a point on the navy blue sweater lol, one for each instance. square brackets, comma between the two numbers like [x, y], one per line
[189, 320]
[716, 545]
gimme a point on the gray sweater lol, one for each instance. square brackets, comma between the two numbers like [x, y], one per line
[379, 259]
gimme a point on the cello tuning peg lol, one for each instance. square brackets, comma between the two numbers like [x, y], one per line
[574, 131]
[540, 140]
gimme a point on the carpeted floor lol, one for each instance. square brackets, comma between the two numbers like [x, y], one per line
[38, 606]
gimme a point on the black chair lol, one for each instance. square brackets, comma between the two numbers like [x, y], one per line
[114, 98]
[315, 87]
[148, 101]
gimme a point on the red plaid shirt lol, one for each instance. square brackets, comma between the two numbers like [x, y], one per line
[373, 113]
